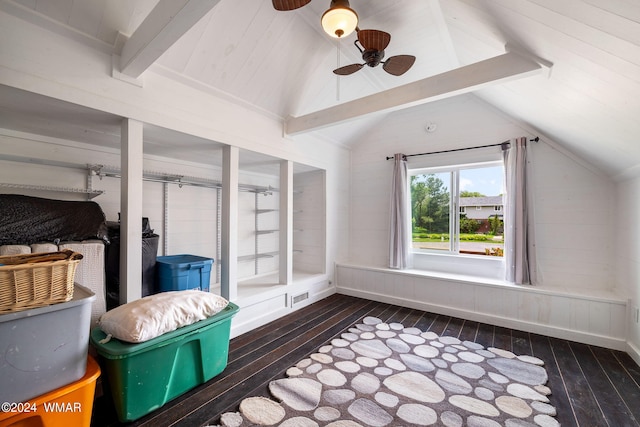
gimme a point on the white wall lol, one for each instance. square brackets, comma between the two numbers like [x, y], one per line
[574, 205]
[628, 255]
[309, 218]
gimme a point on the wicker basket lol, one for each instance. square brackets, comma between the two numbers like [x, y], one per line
[36, 280]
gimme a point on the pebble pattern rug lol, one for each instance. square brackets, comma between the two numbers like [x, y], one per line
[380, 374]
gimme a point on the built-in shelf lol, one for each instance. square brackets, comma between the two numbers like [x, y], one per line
[253, 257]
[266, 231]
[262, 228]
[90, 193]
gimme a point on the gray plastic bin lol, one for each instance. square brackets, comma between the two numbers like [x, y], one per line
[44, 348]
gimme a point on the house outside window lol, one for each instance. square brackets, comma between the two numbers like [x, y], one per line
[458, 209]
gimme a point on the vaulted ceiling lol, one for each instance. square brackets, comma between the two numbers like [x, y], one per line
[583, 90]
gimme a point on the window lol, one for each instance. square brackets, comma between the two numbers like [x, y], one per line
[441, 222]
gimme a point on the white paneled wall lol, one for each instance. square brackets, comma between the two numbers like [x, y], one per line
[574, 210]
[309, 219]
[574, 205]
[628, 259]
[192, 216]
[584, 318]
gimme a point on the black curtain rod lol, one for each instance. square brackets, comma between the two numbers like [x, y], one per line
[536, 139]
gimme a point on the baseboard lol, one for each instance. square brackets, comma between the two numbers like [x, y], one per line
[548, 330]
[265, 315]
[634, 352]
[238, 329]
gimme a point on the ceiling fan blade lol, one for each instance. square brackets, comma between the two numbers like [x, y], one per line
[348, 69]
[289, 4]
[374, 39]
[399, 64]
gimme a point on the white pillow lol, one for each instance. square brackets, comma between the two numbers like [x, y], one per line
[154, 315]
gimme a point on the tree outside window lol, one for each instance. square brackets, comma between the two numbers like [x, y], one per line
[440, 218]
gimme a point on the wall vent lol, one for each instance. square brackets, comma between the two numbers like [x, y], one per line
[299, 298]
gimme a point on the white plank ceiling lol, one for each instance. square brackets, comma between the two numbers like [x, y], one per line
[280, 63]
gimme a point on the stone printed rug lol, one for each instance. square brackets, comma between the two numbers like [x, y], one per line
[380, 374]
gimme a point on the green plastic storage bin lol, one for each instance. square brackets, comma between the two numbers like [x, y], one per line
[145, 376]
[182, 272]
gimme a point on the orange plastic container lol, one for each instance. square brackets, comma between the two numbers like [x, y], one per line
[70, 405]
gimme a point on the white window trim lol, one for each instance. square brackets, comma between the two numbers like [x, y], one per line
[453, 262]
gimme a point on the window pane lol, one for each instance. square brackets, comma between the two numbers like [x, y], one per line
[481, 223]
[430, 211]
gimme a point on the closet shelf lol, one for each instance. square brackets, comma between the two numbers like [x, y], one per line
[90, 193]
[257, 256]
[266, 231]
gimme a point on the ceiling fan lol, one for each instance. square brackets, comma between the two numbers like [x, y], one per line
[289, 4]
[337, 21]
[373, 43]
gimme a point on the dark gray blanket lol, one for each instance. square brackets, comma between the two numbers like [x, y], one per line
[25, 220]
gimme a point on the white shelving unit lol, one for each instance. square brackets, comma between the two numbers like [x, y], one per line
[261, 213]
[180, 217]
[90, 193]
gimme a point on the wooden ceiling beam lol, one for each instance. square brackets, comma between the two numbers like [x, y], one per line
[500, 69]
[166, 23]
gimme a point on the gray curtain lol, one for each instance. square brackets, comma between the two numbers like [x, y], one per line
[400, 225]
[518, 216]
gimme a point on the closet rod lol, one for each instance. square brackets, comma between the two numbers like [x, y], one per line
[536, 139]
[42, 162]
[113, 172]
[180, 180]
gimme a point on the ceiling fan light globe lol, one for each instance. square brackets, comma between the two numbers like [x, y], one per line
[339, 21]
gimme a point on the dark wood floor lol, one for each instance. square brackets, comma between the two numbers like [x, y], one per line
[592, 386]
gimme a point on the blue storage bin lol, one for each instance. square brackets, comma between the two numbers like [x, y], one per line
[182, 272]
